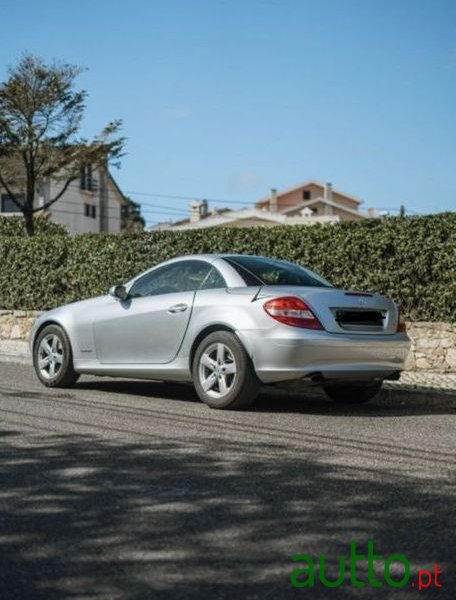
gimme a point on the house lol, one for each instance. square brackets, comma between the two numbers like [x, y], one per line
[312, 199]
[201, 218]
[305, 204]
[91, 204]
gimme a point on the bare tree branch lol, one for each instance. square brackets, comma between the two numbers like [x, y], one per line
[10, 193]
[49, 203]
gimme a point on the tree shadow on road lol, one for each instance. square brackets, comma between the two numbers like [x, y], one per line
[86, 517]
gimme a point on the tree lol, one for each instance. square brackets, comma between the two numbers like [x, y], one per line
[131, 218]
[40, 118]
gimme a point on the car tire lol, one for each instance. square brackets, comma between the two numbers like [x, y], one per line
[53, 358]
[223, 373]
[352, 393]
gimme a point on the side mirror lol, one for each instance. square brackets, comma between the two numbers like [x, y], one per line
[119, 292]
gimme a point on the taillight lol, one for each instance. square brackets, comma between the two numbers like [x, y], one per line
[292, 311]
[401, 323]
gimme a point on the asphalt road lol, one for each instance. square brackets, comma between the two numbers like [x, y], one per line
[135, 490]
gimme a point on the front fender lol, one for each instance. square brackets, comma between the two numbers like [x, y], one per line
[50, 317]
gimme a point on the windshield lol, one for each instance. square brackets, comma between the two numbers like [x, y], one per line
[256, 270]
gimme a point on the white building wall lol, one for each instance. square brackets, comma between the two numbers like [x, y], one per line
[113, 208]
[70, 210]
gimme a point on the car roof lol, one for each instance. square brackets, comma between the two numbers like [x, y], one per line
[211, 257]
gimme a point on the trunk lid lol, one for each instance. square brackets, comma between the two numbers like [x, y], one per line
[344, 311]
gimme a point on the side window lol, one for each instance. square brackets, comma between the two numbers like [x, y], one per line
[214, 280]
[182, 276]
[249, 278]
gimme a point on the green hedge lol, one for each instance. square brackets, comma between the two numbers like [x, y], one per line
[411, 259]
[12, 226]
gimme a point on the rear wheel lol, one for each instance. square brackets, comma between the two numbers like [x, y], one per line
[52, 358]
[223, 374]
[352, 393]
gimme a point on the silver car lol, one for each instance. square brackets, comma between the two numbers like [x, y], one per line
[227, 323]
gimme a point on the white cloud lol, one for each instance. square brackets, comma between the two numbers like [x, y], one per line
[178, 112]
[244, 181]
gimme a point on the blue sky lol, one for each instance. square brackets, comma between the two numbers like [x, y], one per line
[225, 99]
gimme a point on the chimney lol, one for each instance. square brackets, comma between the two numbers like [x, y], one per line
[198, 211]
[273, 200]
[328, 192]
[327, 195]
[195, 215]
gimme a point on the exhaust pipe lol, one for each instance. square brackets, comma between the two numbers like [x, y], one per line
[314, 378]
[297, 384]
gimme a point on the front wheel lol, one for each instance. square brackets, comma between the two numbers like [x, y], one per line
[352, 393]
[223, 374]
[52, 358]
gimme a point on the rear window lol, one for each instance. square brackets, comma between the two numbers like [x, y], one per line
[256, 270]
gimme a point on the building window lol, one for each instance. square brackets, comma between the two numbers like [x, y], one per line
[8, 205]
[86, 180]
[82, 179]
[90, 211]
[306, 195]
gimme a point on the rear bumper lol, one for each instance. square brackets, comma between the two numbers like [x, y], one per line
[289, 355]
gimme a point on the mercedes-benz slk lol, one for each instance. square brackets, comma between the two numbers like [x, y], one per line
[227, 323]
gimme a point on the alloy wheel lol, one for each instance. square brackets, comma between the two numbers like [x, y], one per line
[217, 370]
[50, 356]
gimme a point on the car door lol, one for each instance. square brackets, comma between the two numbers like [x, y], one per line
[149, 326]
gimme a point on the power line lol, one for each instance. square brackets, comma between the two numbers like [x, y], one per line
[76, 187]
[161, 210]
[194, 198]
[59, 203]
[190, 198]
[151, 208]
[241, 202]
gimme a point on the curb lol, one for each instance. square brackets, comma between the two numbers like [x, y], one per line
[423, 396]
[16, 351]
[394, 397]
[18, 360]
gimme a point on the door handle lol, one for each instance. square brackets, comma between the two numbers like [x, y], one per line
[177, 308]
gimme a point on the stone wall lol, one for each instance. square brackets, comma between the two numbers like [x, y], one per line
[16, 324]
[433, 344]
[433, 347]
